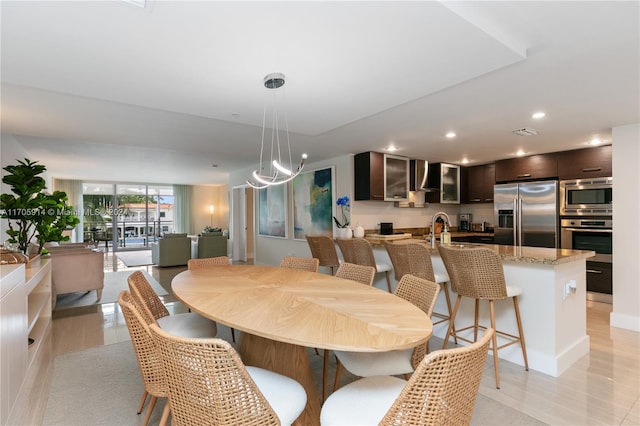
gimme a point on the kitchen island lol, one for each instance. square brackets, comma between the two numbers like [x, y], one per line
[552, 304]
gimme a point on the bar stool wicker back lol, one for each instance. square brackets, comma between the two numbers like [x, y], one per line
[413, 257]
[324, 249]
[477, 273]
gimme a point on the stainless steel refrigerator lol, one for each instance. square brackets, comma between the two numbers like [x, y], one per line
[526, 214]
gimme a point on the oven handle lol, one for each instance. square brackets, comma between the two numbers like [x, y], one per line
[609, 231]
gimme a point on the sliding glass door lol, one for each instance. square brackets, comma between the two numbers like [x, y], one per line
[127, 216]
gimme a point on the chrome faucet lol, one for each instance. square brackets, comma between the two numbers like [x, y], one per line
[433, 226]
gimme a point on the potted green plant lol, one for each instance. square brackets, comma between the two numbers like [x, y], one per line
[33, 213]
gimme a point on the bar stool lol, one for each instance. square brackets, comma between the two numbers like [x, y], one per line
[413, 257]
[324, 249]
[477, 273]
[360, 252]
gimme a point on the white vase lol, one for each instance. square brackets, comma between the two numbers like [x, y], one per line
[358, 232]
[344, 233]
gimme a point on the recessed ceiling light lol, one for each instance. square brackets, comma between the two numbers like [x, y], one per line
[538, 115]
[450, 135]
[595, 141]
[520, 153]
[465, 161]
[392, 148]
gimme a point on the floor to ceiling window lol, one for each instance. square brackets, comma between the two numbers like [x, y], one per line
[126, 216]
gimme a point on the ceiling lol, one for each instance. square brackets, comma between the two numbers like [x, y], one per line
[161, 93]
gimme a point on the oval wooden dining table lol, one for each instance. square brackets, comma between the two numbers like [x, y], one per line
[282, 311]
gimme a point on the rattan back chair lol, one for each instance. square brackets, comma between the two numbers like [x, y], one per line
[413, 257]
[209, 384]
[360, 252]
[304, 263]
[144, 295]
[409, 257]
[442, 391]
[477, 273]
[421, 293]
[444, 387]
[359, 273]
[187, 324]
[208, 261]
[324, 249]
[149, 361]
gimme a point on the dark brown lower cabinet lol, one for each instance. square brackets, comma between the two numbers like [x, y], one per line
[599, 277]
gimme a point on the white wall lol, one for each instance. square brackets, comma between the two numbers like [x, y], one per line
[626, 227]
[270, 251]
[203, 197]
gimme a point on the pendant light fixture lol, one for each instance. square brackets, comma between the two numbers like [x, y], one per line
[271, 170]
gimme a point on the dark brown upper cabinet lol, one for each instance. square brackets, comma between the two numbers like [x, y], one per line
[541, 166]
[479, 183]
[381, 177]
[585, 163]
[368, 176]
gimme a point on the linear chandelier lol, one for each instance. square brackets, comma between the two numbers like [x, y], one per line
[277, 172]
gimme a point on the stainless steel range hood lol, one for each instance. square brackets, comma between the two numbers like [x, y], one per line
[419, 170]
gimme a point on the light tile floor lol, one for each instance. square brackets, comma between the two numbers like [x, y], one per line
[601, 388]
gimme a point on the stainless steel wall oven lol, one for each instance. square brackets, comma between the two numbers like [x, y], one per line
[593, 234]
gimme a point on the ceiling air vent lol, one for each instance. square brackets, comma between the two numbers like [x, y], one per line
[525, 132]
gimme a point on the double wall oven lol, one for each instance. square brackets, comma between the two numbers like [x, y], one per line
[586, 224]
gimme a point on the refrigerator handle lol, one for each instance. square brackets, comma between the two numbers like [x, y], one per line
[520, 221]
[515, 221]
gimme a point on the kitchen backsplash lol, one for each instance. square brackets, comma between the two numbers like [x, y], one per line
[369, 214]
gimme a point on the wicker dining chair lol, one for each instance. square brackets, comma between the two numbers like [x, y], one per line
[324, 249]
[149, 362]
[413, 257]
[305, 263]
[188, 324]
[207, 261]
[477, 273]
[421, 293]
[208, 384]
[360, 252]
[359, 273]
[442, 391]
[353, 272]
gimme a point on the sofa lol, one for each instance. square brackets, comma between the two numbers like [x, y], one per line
[75, 269]
[171, 250]
[212, 244]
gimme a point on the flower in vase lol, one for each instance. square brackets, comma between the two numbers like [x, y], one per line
[343, 203]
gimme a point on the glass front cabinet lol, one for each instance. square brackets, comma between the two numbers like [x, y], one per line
[445, 180]
[396, 178]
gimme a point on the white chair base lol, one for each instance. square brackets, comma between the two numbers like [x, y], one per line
[188, 324]
[363, 402]
[366, 364]
[286, 396]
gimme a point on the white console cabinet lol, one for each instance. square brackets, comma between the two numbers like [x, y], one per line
[25, 313]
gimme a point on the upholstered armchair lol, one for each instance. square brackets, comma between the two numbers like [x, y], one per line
[171, 250]
[212, 244]
[75, 268]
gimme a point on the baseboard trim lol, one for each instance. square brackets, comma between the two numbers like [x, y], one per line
[628, 322]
